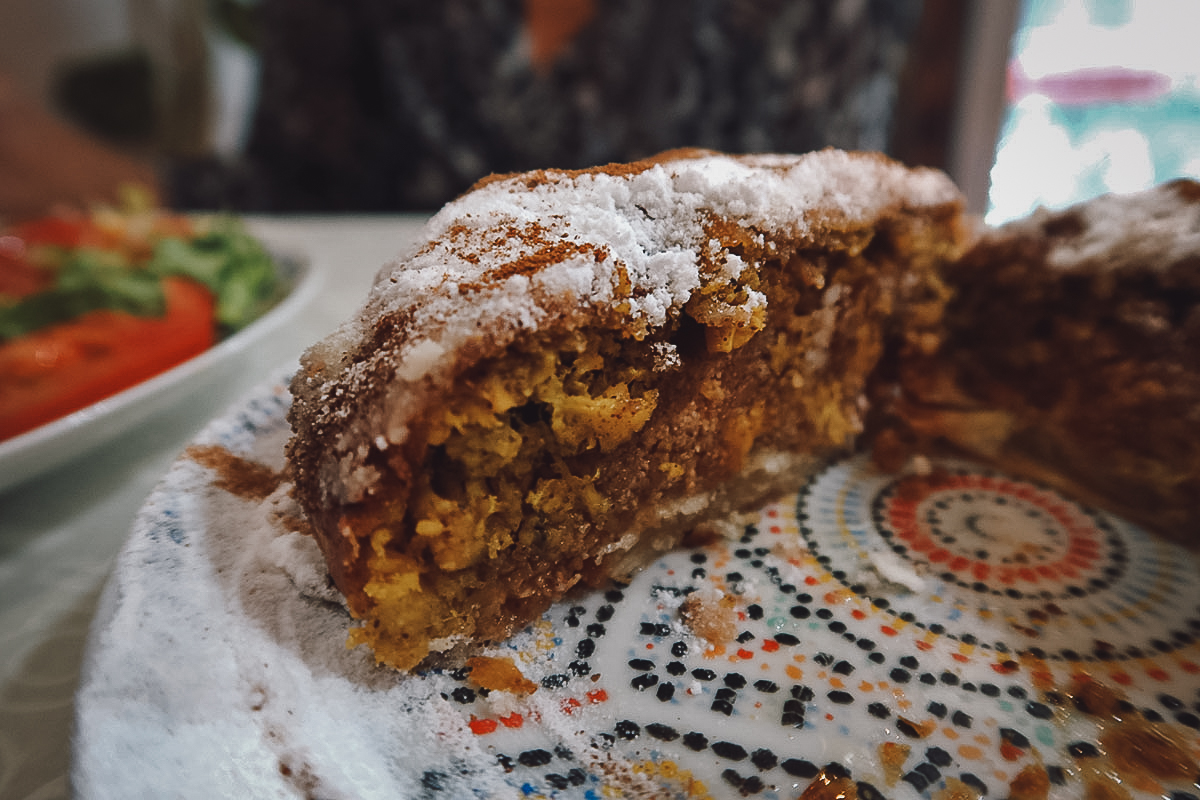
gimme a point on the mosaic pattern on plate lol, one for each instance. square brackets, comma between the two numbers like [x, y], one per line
[937, 635]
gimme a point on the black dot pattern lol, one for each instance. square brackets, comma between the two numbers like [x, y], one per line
[876, 616]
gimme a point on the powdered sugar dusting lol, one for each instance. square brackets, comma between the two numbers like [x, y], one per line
[489, 256]
[519, 250]
[1149, 230]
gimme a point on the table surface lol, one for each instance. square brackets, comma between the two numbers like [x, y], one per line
[60, 531]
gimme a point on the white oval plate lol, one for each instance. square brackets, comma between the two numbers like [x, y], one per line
[50, 445]
[956, 635]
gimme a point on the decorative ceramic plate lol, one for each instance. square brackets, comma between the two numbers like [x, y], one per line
[54, 443]
[948, 634]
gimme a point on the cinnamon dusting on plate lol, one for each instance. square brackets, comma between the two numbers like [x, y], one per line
[712, 619]
[1138, 752]
[499, 675]
[892, 756]
[241, 477]
[1031, 783]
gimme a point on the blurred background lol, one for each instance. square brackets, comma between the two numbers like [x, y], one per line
[1102, 95]
[399, 105]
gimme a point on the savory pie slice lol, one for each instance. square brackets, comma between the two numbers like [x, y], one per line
[575, 369]
[1072, 354]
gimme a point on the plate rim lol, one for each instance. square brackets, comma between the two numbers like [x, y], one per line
[34, 452]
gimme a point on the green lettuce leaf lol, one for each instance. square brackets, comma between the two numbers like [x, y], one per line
[231, 263]
[88, 280]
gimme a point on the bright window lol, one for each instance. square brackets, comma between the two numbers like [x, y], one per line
[1103, 95]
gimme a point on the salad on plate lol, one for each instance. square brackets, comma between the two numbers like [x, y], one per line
[92, 303]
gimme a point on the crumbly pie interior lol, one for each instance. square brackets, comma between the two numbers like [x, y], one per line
[1072, 354]
[455, 502]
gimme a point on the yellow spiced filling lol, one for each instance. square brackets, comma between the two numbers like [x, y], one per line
[538, 464]
[507, 468]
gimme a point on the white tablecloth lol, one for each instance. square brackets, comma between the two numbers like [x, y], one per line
[60, 531]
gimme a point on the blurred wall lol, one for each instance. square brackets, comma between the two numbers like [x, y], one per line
[289, 105]
[38, 35]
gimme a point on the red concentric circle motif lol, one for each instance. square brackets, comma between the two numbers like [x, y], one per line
[1070, 548]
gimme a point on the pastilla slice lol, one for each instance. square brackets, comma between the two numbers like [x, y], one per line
[573, 370]
[1071, 354]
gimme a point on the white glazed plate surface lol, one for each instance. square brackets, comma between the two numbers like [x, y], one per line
[953, 635]
[47, 446]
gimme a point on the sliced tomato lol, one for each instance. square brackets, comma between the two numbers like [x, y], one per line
[18, 275]
[53, 372]
[60, 231]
